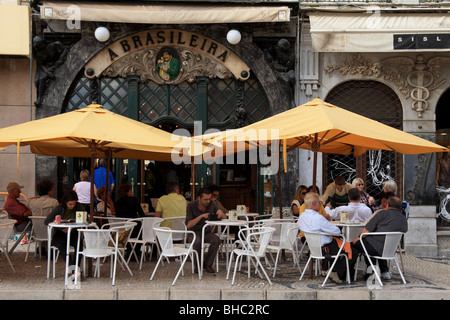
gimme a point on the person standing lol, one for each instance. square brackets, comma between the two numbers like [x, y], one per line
[336, 192]
[197, 213]
[83, 189]
[100, 176]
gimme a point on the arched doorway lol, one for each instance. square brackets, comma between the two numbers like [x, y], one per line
[170, 107]
[376, 101]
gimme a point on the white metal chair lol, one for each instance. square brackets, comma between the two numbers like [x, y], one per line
[178, 223]
[6, 228]
[124, 228]
[391, 243]
[145, 237]
[315, 247]
[96, 246]
[254, 246]
[285, 241]
[38, 234]
[166, 238]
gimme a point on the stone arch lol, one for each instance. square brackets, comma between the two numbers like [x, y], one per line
[85, 49]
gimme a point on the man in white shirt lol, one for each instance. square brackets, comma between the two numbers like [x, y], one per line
[311, 221]
[357, 211]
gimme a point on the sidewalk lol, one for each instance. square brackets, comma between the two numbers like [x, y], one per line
[427, 279]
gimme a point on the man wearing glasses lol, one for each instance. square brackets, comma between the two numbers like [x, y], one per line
[215, 194]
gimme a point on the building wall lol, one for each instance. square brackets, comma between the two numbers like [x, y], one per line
[15, 108]
[329, 69]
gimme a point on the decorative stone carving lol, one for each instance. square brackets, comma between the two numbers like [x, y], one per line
[415, 79]
[49, 56]
[143, 63]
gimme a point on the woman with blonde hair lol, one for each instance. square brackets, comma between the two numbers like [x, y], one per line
[365, 198]
[83, 189]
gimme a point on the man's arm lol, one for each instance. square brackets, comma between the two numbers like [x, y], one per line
[359, 236]
[193, 222]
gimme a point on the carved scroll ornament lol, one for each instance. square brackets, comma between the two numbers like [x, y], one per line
[143, 63]
[414, 79]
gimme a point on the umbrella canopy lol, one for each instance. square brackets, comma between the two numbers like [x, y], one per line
[92, 131]
[322, 127]
[96, 132]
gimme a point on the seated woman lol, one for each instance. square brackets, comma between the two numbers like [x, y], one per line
[365, 198]
[295, 208]
[67, 210]
[128, 206]
[101, 194]
[300, 194]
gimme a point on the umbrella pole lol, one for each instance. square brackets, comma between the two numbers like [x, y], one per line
[108, 168]
[91, 203]
[280, 196]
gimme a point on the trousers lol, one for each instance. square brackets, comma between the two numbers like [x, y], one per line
[214, 244]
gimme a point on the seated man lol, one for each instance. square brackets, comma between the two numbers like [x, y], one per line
[357, 211]
[17, 210]
[387, 220]
[336, 193]
[311, 221]
[44, 203]
[197, 213]
[215, 193]
[171, 205]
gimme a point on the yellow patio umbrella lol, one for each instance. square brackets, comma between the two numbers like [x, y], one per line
[96, 132]
[320, 127]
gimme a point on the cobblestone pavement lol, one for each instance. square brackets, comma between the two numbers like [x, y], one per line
[427, 278]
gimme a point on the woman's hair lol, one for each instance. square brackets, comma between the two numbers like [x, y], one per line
[69, 195]
[390, 186]
[311, 187]
[44, 187]
[101, 192]
[84, 175]
[123, 190]
[357, 181]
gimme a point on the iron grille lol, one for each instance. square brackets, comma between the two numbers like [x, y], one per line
[378, 102]
[114, 95]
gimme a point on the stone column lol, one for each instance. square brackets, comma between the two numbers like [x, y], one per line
[419, 190]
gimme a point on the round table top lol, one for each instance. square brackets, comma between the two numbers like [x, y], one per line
[225, 222]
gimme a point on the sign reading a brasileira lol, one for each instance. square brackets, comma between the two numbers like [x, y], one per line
[162, 41]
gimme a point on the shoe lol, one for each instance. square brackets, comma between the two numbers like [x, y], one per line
[386, 275]
[209, 269]
[334, 276]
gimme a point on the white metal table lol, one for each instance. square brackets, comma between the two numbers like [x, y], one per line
[69, 227]
[221, 223]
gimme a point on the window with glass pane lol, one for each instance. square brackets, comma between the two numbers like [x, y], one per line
[152, 102]
[81, 96]
[183, 102]
[221, 100]
[114, 95]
